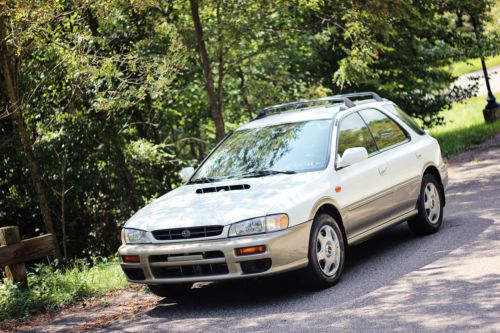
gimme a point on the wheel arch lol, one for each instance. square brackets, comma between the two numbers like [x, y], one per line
[433, 170]
[329, 207]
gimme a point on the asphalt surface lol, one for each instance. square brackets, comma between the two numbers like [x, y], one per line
[469, 78]
[446, 282]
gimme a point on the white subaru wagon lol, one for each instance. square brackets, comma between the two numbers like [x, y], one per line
[290, 190]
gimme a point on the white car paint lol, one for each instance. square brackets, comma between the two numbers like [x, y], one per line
[297, 195]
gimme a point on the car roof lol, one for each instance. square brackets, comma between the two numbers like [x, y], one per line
[308, 114]
[293, 116]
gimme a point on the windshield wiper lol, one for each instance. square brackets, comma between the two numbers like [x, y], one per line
[251, 174]
[204, 180]
[266, 172]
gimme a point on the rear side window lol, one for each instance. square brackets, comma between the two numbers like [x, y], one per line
[395, 110]
[354, 133]
[385, 130]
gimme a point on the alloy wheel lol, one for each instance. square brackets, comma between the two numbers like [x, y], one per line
[328, 250]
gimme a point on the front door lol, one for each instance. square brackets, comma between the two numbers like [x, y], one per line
[365, 186]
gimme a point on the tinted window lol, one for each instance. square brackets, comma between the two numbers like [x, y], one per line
[385, 131]
[294, 147]
[394, 109]
[354, 133]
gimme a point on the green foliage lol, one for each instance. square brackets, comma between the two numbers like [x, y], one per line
[114, 97]
[53, 287]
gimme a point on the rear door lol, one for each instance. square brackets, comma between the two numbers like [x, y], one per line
[365, 186]
[393, 142]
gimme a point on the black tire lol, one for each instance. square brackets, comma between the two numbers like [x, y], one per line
[170, 290]
[313, 276]
[423, 223]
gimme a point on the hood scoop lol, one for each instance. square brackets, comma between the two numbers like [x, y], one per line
[223, 188]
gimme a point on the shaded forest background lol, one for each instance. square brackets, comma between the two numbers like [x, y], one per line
[103, 102]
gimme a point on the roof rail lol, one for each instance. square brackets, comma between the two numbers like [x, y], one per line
[371, 94]
[299, 104]
[345, 99]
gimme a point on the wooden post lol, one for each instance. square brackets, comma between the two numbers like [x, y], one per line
[15, 272]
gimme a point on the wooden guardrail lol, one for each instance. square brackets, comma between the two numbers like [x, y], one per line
[14, 252]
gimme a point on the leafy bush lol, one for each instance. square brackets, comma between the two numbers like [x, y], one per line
[53, 286]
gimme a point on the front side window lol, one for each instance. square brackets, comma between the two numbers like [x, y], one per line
[354, 133]
[288, 148]
[385, 131]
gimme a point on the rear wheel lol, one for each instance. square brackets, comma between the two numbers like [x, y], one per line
[170, 290]
[326, 254]
[430, 207]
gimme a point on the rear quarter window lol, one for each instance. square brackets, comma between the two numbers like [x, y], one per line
[408, 120]
[386, 132]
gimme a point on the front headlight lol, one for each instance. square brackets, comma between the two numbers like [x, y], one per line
[134, 236]
[259, 225]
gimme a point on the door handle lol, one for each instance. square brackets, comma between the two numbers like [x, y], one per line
[419, 155]
[382, 170]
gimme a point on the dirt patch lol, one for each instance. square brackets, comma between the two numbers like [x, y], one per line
[476, 154]
[87, 315]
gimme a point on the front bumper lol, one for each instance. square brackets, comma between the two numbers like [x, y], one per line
[198, 261]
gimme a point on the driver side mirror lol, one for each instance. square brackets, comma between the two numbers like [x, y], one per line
[352, 156]
[186, 173]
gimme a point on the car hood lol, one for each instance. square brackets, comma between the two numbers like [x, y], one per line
[184, 207]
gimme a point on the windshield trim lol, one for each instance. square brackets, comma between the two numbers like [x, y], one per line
[327, 163]
[210, 153]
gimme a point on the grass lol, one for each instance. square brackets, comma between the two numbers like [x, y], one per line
[52, 288]
[471, 65]
[464, 127]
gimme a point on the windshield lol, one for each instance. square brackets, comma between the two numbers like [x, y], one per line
[257, 152]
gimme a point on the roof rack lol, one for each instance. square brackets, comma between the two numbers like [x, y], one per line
[345, 99]
[370, 94]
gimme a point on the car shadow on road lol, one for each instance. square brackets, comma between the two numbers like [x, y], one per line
[370, 265]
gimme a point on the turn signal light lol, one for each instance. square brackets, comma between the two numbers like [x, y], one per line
[131, 259]
[244, 251]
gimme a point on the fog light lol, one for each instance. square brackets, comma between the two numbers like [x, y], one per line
[131, 259]
[244, 251]
[256, 266]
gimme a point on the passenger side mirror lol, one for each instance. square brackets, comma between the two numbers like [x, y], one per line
[186, 173]
[352, 156]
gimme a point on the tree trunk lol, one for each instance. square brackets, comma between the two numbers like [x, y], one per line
[220, 58]
[213, 97]
[17, 113]
[63, 209]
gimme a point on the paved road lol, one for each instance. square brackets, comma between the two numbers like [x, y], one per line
[493, 73]
[446, 282]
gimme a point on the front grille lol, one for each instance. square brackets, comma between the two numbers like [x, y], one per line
[189, 270]
[204, 255]
[188, 233]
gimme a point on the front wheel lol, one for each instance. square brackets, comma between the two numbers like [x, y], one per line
[326, 254]
[430, 208]
[170, 290]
